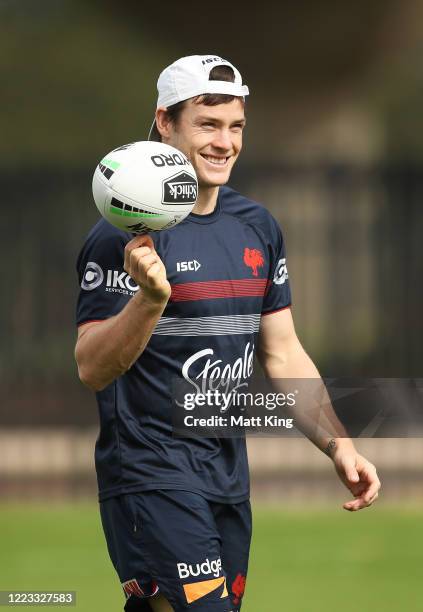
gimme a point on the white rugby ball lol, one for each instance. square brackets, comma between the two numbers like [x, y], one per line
[145, 186]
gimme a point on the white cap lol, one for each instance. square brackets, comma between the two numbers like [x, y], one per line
[189, 77]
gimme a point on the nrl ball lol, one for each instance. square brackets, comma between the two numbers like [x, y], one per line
[144, 187]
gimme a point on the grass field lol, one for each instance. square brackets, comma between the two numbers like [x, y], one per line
[301, 561]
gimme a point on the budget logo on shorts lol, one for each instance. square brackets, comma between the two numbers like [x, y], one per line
[211, 573]
[213, 567]
[93, 276]
[180, 189]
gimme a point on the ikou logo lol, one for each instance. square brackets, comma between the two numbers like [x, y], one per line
[117, 281]
[93, 276]
[180, 189]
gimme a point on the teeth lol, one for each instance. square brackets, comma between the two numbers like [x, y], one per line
[215, 160]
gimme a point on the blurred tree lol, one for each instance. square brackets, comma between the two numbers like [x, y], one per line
[80, 76]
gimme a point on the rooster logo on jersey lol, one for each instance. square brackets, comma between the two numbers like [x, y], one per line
[253, 258]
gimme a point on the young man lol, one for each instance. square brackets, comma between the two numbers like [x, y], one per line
[175, 511]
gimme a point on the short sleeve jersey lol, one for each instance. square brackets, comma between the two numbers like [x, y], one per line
[226, 270]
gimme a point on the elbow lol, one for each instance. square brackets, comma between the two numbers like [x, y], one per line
[272, 363]
[95, 374]
[87, 375]
[88, 380]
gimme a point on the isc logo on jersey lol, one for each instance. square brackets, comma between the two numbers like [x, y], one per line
[116, 280]
[185, 266]
[213, 567]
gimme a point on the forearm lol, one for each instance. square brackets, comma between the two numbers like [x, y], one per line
[313, 413]
[108, 349]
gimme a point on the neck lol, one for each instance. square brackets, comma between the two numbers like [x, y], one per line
[206, 201]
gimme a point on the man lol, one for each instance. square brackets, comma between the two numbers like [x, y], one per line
[176, 511]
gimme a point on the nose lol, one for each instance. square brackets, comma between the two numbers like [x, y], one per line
[222, 139]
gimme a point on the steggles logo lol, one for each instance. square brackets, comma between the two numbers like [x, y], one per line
[202, 368]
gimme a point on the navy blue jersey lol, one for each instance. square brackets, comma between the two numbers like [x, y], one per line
[226, 270]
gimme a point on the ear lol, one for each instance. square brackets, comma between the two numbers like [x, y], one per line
[163, 123]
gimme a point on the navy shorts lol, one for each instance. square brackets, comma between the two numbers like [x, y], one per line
[193, 551]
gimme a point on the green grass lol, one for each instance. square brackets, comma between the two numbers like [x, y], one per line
[301, 561]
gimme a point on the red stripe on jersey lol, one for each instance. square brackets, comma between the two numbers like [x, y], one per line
[212, 290]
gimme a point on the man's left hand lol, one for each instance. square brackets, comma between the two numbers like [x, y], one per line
[359, 476]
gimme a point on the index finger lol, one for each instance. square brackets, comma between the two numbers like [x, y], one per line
[138, 241]
[135, 243]
[366, 497]
[371, 491]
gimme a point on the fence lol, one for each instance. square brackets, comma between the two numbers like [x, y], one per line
[353, 249]
[52, 463]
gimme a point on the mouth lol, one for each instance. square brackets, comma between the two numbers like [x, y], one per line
[215, 160]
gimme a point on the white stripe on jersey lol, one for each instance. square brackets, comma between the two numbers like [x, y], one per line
[223, 325]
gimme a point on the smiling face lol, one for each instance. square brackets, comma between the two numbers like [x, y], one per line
[211, 138]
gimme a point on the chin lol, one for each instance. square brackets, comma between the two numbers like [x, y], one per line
[214, 181]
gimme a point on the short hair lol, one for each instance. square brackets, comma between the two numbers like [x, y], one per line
[218, 73]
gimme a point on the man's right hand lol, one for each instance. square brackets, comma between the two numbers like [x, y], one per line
[145, 267]
[107, 349]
